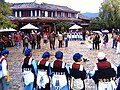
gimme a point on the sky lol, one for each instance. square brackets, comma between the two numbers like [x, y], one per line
[78, 5]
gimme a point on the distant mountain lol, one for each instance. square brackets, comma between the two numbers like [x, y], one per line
[91, 15]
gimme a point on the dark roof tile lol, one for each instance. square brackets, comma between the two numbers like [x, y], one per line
[42, 6]
[24, 5]
[55, 7]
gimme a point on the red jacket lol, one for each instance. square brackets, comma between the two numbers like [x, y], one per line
[118, 39]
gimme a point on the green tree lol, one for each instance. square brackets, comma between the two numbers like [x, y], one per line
[97, 24]
[110, 13]
[62, 25]
[5, 11]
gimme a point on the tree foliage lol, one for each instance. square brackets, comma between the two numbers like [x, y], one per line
[96, 23]
[109, 15]
[109, 12]
[4, 12]
[62, 25]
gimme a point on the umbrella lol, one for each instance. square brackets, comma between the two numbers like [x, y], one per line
[105, 31]
[8, 30]
[29, 26]
[97, 32]
[75, 27]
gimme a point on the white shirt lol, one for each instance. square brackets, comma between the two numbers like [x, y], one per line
[4, 67]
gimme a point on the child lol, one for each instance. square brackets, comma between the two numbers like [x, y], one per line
[77, 73]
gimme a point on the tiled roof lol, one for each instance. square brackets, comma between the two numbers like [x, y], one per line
[24, 5]
[55, 7]
[42, 6]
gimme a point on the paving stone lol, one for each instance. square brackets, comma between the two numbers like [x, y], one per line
[16, 57]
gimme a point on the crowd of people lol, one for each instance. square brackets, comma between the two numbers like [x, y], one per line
[94, 41]
[58, 75]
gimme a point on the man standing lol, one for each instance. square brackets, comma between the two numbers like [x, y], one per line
[17, 39]
[38, 40]
[97, 41]
[60, 39]
[52, 40]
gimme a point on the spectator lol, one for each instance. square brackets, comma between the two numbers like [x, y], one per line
[17, 39]
[60, 39]
[97, 41]
[114, 36]
[38, 40]
[118, 44]
[25, 42]
[105, 40]
[66, 40]
[2, 45]
[52, 40]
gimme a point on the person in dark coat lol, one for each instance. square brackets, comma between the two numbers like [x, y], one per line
[38, 40]
[105, 40]
[51, 38]
[77, 73]
[97, 41]
[66, 40]
[2, 45]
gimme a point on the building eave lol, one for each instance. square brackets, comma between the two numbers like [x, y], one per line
[45, 19]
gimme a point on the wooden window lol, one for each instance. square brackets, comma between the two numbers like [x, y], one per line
[25, 13]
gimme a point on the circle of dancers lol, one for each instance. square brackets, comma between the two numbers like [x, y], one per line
[58, 75]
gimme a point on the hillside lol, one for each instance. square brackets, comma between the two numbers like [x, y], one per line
[91, 15]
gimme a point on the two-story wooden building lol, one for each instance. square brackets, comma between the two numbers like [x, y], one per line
[45, 16]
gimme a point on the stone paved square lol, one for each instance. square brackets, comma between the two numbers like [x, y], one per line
[15, 59]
